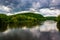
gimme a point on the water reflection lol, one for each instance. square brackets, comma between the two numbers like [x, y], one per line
[49, 25]
[46, 26]
[47, 31]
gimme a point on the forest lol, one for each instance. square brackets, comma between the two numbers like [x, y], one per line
[24, 19]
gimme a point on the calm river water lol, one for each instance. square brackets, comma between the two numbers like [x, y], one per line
[48, 25]
[47, 31]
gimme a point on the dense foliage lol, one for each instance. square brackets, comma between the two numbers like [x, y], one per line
[25, 19]
[58, 22]
[50, 18]
[20, 20]
[3, 22]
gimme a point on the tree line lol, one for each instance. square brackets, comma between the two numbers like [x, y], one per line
[20, 20]
[24, 19]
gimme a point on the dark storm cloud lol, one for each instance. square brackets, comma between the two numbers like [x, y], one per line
[23, 5]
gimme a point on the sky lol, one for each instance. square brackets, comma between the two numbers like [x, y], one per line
[12, 6]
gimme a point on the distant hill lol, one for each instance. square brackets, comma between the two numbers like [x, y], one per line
[51, 18]
[31, 14]
[26, 19]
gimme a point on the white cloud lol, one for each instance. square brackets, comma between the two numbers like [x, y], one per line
[32, 9]
[55, 2]
[49, 12]
[36, 5]
[5, 8]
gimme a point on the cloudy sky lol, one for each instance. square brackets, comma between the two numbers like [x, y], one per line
[29, 5]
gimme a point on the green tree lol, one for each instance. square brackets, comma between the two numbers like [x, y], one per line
[3, 22]
[50, 18]
[25, 19]
[12, 21]
[58, 22]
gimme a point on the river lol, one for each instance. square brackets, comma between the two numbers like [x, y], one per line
[48, 25]
[46, 31]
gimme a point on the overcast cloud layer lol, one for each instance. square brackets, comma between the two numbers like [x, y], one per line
[24, 5]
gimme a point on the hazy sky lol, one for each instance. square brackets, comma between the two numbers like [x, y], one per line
[25, 5]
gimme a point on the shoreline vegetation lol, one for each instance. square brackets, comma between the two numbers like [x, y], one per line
[29, 20]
